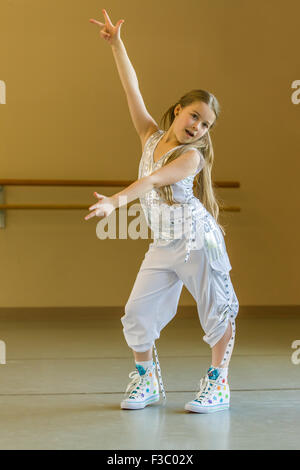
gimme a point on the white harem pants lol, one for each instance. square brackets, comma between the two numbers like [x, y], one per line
[155, 295]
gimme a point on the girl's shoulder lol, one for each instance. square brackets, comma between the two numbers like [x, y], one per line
[150, 138]
[189, 147]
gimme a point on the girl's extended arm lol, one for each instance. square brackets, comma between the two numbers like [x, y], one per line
[178, 169]
[142, 120]
[126, 71]
[185, 165]
[107, 204]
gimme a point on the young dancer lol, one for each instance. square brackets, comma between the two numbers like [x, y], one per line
[188, 248]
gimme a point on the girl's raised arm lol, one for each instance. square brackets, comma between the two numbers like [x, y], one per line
[143, 122]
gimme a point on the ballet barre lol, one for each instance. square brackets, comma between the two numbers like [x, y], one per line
[79, 183]
[111, 183]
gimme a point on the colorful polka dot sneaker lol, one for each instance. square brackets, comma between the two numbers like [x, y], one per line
[142, 390]
[214, 394]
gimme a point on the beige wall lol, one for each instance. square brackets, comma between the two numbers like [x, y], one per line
[66, 116]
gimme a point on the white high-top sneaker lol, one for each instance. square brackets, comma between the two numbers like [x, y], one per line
[214, 394]
[142, 390]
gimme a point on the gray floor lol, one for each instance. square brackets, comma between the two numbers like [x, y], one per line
[65, 376]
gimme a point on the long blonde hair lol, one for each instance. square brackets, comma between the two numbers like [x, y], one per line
[203, 188]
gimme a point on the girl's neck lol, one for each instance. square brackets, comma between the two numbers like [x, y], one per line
[169, 139]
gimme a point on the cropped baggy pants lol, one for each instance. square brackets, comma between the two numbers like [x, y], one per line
[155, 295]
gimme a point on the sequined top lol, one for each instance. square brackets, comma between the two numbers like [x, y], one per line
[187, 218]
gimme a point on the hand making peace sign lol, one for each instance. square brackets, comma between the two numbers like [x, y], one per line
[109, 32]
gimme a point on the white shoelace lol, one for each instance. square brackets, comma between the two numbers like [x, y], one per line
[137, 380]
[205, 384]
[159, 374]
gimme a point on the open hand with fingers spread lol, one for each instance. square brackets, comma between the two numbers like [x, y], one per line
[103, 208]
[109, 32]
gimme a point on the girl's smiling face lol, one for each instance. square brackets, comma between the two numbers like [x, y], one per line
[192, 121]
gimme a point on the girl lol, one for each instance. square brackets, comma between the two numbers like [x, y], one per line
[188, 245]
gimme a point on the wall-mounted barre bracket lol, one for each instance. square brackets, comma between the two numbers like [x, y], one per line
[2, 212]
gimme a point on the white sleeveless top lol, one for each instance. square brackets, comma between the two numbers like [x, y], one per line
[187, 218]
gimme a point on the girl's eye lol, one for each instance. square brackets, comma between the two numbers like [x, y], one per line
[195, 115]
